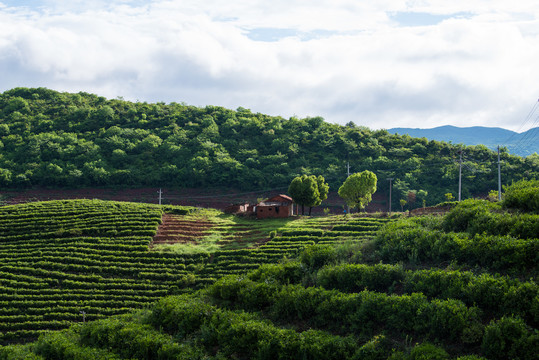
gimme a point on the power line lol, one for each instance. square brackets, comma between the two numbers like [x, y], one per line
[528, 138]
[528, 117]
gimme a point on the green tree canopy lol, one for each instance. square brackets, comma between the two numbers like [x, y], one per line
[100, 142]
[304, 191]
[358, 188]
[323, 190]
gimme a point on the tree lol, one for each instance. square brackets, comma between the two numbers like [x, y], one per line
[411, 198]
[422, 196]
[402, 202]
[323, 190]
[5, 177]
[304, 191]
[400, 189]
[358, 188]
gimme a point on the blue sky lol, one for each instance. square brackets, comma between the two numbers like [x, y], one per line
[381, 64]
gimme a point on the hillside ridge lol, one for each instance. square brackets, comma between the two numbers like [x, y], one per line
[77, 140]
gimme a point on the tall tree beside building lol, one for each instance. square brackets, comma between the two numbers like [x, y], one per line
[304, 191]
[358, 188]
[323, 190]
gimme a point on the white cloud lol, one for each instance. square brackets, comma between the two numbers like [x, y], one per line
[345, 60]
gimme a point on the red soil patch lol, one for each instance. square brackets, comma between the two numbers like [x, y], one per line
[176, 230]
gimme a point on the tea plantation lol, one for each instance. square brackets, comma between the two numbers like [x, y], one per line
[63, 262]
[459, 286]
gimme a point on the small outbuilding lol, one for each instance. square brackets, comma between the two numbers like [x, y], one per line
[239, 208]
[280, 206]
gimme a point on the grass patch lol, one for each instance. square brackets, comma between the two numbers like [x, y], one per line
[207, 244]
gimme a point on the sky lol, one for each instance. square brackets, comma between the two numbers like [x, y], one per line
[377, 63]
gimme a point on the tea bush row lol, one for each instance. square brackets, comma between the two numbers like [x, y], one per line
[406, 242]
[361, 313]
[495, 295]
[480, 216]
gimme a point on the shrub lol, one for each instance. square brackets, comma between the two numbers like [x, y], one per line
[18, 352]
[510, 338]
[470, 216]
[522, 195]
[284, 273]
[357, 277]
[479, 216]
[316, 256]
[183, 314]
[64, 345]
[427, 351]
[406, 242]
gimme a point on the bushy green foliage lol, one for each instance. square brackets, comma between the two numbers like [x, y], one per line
[432, 293]
[359, 313]
[284, 273]
[493, 294]
[308, 191]
[510, 338]
[424, 351]
[316, 256]
[358, 188]
[65, 345]
[427, 351]
[405, 241]
[246, 336]
[61, 139]
[18, 352]
[480, 216]
[469, 216]
[131, 339]
[522, 195]
[357, 277]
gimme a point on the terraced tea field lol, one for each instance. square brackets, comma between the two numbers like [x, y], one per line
[63, 262]
[457, 286]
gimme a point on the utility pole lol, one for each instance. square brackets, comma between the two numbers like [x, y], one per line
[160, 195]
[499, 176]
[460, 173]
[389, 179]
[347, 175]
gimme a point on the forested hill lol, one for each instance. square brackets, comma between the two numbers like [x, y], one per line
[58, 139]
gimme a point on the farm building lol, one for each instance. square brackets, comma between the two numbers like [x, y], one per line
[239, 208]
[279, 206]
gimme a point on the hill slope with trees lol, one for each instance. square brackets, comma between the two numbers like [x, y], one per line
[58, 139]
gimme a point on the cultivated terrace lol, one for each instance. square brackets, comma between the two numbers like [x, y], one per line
[458, 286]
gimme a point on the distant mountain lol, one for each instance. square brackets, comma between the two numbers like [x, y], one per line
[522, 144]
